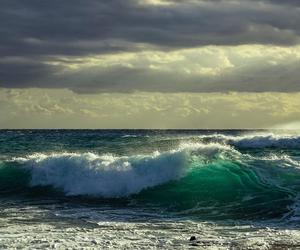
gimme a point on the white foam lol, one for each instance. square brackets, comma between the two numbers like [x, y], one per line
[283, 160]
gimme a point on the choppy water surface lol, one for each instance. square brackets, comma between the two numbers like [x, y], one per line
[149, 189]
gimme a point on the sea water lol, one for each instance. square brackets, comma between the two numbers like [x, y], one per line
[145, 189]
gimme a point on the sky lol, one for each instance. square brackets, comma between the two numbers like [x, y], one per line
[149, 63]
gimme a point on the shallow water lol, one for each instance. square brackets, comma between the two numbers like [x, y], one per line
[148, 189]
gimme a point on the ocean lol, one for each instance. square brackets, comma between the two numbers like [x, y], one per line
[149, 189]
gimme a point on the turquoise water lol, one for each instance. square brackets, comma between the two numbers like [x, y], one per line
[138, 179]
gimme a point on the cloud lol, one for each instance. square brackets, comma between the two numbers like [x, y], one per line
[41, 40]
[48, 108]
[23, 72]
[247, 68]
[74, 27]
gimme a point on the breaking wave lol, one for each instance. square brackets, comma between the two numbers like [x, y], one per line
[211, 180]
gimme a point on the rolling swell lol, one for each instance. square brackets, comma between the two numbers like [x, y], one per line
[208, 180]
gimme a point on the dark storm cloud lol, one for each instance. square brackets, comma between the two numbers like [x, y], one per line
[285, 2]
[26, 74]
[64, 27]
[37, 31]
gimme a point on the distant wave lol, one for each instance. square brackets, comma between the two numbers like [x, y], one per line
[129, 136]
[256, 140]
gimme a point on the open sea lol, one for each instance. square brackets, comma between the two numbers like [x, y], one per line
[149, 189]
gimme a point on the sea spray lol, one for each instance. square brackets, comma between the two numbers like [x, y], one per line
[104, 175]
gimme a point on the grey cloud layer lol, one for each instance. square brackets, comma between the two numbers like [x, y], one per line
[33, 32]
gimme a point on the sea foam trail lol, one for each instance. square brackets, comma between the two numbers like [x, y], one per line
[112, 176]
